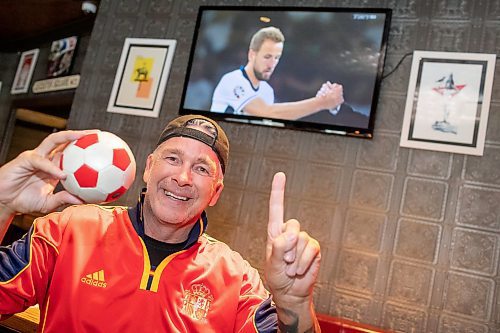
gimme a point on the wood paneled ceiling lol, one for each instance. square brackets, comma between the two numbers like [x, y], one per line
[26, 24]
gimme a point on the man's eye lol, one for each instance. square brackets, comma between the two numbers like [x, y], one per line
[171, 159]
[202, 170]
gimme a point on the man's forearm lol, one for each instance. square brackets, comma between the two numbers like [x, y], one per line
[297, 319]
[288, 110]
[6, 217]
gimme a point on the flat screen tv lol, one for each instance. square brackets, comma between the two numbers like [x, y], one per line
[327, 54]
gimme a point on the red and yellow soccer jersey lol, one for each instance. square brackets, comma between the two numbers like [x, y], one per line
[89, 270]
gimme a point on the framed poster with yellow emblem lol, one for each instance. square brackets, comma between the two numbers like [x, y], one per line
[142, 76]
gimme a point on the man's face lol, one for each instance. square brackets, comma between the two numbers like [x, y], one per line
[183, 176]
[266, 59]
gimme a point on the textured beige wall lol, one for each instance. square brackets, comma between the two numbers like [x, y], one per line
[410, 238]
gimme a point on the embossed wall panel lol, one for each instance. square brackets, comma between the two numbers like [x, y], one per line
[490, 39]
[454, 324]
[478, 208]
[357, 271]
[318, 219]
[283, 143]
[407, 9]
[390, 113]
[484, 169]
[243, 138]
[410, 283]
[371, 190]
[228, 210]
[352, 307]
[404, 319]
[379, 154]
[475, 251]
[404, 37]
[326, 149]
[266, 167]
[363, 230]
[493, 130]
[321, 182]
[417, 240]
[469, 295]
[495, 95]
[424, 199]
[430, 164]
[410, 238]
[449, 36]
[458, 9]
[396, 84]
[238, 169]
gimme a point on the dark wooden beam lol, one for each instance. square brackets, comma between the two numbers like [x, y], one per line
[79, 27]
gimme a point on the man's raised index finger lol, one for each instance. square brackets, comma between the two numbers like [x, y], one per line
[276, 205]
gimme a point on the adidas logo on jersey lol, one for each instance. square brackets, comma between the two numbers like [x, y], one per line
[95, 279]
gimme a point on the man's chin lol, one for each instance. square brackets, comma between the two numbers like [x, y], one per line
[263, 76]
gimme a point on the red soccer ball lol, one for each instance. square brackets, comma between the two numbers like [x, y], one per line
[100, 167]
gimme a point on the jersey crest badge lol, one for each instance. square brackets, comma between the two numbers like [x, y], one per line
[239, 91]
[196, 301]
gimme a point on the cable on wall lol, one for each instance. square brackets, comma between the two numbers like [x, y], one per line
[397, 65]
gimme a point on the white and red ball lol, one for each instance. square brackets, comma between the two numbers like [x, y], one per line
[100, 167]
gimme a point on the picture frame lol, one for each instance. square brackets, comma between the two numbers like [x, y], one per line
[141, 76]
[24, 72]
[61, 56]
[448, 101]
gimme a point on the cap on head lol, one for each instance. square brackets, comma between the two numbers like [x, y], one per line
[202, 129]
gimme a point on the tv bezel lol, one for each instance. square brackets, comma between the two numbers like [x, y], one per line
[294, 124]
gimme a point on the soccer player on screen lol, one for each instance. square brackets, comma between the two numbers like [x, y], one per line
[246, 91]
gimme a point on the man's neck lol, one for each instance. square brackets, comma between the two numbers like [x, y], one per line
[166, 233]
[251, 75]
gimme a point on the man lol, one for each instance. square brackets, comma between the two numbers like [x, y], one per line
[246, 91]
[150, 268]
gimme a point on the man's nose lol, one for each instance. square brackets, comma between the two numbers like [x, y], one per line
[184, 176]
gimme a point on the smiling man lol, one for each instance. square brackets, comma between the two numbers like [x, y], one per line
[246, 90]
[151, 267]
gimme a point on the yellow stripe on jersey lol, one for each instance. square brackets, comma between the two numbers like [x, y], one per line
[146, 268]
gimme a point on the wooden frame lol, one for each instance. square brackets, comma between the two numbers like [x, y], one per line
[141, 77]
[448, 101]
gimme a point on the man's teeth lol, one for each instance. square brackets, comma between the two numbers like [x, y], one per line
[170, 194]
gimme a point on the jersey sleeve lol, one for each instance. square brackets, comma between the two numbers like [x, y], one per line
[26, 267]
[256, 311]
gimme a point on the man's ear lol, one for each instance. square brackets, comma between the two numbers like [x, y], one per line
[251, 55]
[218, 190]
[147, 170]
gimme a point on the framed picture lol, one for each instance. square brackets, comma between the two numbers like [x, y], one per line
[141, 77]
[61, 56]
[448, 101]
[24, 71]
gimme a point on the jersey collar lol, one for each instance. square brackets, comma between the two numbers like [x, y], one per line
[245, 75]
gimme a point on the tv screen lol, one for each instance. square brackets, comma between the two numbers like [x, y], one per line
[316, 69]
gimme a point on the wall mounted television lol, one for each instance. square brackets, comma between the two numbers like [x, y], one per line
[346, 46]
